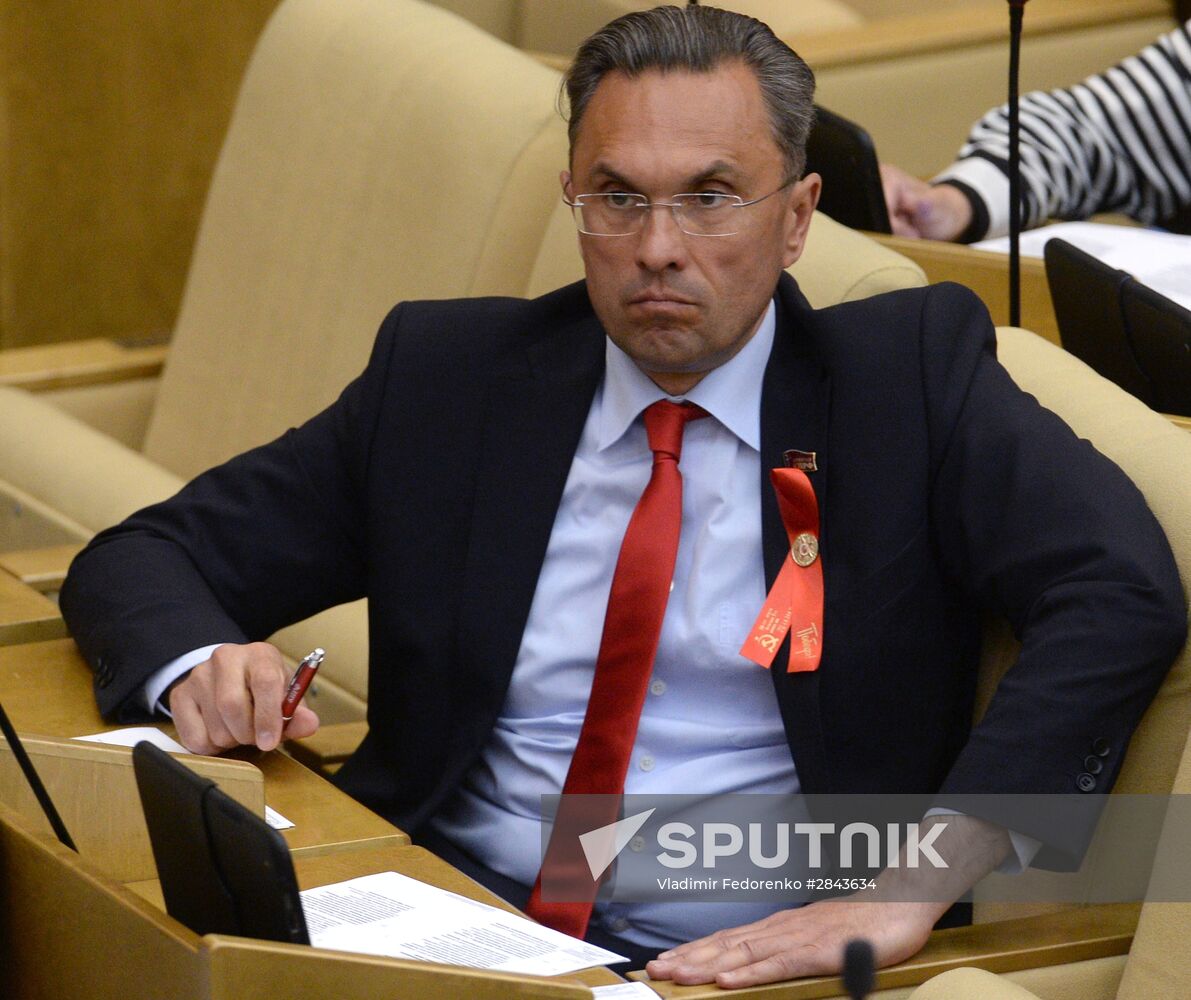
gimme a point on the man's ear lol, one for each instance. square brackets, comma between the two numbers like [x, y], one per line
[802, 207]
[564, 179]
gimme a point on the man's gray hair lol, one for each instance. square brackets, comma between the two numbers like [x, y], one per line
[699, 40]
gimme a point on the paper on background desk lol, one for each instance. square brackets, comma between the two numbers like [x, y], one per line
[131, 737]
[397, 916]
[1160, 260]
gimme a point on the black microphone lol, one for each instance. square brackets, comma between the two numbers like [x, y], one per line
[1016, 9]
[31, 776]
[859, 968]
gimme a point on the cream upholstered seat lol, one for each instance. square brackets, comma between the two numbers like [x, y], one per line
[370, 159]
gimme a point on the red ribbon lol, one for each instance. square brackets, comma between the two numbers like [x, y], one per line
[795, 602]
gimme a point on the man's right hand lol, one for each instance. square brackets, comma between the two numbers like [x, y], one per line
[234, 699]
[921, 210]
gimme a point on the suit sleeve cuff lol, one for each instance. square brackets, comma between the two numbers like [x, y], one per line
[1025, 848]
[987, 188]
[164, 676]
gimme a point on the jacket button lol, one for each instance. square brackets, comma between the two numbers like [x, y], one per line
[1093, 765]
[1100, 747]
[1085, 782]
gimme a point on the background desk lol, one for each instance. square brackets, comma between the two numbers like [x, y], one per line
[46, 689]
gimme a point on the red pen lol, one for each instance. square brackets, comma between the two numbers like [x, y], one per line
[300, 682]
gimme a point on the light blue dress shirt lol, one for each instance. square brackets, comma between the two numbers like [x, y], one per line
[710, 723]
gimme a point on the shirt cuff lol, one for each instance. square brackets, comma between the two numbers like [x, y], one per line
[987, 181]
[163, 677]
[1025, 848]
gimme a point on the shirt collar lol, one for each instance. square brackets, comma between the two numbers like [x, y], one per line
[731, 393]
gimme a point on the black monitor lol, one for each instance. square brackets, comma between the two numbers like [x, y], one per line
[844, 155]
[1086, 294]
[223, 870]
[1160, 334]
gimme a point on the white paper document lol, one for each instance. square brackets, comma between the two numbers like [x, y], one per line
[399, 917]
[1160, 260]
[623, 991]
[131, 737]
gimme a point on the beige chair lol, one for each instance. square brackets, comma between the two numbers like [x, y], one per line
[370, 159]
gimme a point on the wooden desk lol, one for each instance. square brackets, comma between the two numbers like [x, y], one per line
[416, 862]
[26, 615]
[43, 569]
[987, 274]
[46, 689]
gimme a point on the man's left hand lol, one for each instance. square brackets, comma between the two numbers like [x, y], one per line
[895, 916]
[804, 942]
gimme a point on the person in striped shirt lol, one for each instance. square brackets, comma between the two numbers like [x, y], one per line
[1120, 141]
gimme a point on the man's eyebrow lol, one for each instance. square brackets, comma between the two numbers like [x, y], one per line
[603, 172]
[719, 170]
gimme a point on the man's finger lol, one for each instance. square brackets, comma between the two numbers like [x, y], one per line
[266, 684]
[788, 963]
[188, 720]
[304, 723]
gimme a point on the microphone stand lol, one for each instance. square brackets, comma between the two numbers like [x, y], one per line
[1016, 9]
[31, 775]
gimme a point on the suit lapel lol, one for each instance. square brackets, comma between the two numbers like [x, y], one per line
[795, 399]
[535, 414]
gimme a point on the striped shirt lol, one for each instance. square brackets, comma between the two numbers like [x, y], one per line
[1120, 141]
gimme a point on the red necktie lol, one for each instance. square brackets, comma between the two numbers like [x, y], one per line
[632, 626]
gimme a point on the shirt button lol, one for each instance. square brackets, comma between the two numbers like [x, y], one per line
[657, 687]
[637, 844]
[646, 763]
[1085, 783]
[618, 925]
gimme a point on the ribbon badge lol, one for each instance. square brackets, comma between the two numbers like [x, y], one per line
[795, 602]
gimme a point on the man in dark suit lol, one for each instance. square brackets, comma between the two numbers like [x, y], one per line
[475, 482]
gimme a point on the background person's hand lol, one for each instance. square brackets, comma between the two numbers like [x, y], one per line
[234, 699]
[921, 210]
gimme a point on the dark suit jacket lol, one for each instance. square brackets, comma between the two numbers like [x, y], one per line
[431, 486]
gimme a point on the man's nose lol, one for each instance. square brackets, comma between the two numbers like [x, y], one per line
[662, 244]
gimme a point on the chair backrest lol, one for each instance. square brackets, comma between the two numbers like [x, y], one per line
[379, 150]
[1160, 335]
